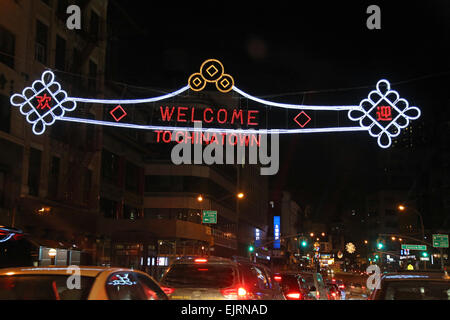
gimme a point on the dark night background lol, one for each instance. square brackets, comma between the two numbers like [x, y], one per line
[298, 52]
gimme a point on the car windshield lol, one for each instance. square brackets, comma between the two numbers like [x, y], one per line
[291, 281]
[200, 276]
[43, 287]
[417, 290]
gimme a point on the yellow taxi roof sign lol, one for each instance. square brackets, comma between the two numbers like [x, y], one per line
[410, 267]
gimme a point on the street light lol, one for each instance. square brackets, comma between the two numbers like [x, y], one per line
[240, 195]
[311, 234]
[200, 198]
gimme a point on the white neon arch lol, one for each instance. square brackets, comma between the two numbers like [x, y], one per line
[65, 104]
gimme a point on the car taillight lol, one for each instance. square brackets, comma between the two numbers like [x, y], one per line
[168, 290]
[294, 296]
[277, 278]
[235, 293]
[333, 294]
[200, 260]
[341, 286]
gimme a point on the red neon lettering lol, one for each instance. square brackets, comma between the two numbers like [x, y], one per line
[165, 115]
[164, 136]
[230, 140]
[204, 115]
[43, 102]
[250, 117]
[384, 113]
[176, 136]
[244, 139]
[214, 139]
[257, 140]
[181, 114]
[218, 115]
[158, 133]
[188, 137]
[192, 116]
[205, 139]
[237, 115]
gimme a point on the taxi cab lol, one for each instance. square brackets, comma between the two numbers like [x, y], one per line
[77, 283]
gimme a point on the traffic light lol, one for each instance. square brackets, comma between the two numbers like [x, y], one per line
[424, 254]
[380, 245]
[304, 243]
[251, 248]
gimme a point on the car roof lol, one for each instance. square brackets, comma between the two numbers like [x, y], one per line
[85, 271]
[210, 260]
[404, 276]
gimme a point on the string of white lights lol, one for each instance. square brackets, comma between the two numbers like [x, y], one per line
[131, 101]
[294, 106]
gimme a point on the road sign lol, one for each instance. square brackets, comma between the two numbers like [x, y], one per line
[440, 240]
[414, 246]
[209, 216]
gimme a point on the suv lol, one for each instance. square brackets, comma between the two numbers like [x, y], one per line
[215, 278]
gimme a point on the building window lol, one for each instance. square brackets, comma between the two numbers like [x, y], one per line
[132, 177]
[130, 212]
[94, 25]
[5, 114]
[41, 42]
[110, 166]
[61, 8]
[7, 47]
[47, 2]
[2, 188]
[34, 172]
[87, 186]
[60, 54]
[53, 178]
[108, 208]
[92, 83]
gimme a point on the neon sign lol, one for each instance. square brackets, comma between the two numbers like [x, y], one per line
[383, 114]
[276, 232]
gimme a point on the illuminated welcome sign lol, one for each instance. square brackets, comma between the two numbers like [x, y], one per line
[383, 113]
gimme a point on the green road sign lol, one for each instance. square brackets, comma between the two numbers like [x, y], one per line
[209, 216]
[440, 240]
[414, 246]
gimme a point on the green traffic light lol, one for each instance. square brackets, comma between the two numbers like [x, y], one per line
[251, 248]
[304, 243]
[425, 254]
[380, 245]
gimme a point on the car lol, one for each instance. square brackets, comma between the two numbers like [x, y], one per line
[61, 283]
[293, 285]
[413, 286]
[333, 291]
[217, 278]
[316, 285]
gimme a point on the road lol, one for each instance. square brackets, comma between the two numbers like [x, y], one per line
[348, 278]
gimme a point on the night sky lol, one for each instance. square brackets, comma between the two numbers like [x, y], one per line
[278, 50]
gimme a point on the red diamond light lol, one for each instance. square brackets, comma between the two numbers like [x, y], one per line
[115, 112]
[302, 119]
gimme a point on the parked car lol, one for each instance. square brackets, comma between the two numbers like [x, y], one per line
[94, 283]
[413, 286]
[215, 278]
[293, 286]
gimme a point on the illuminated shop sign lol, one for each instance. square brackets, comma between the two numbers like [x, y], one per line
[276, 232]
[383, 114]
[257, 237]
